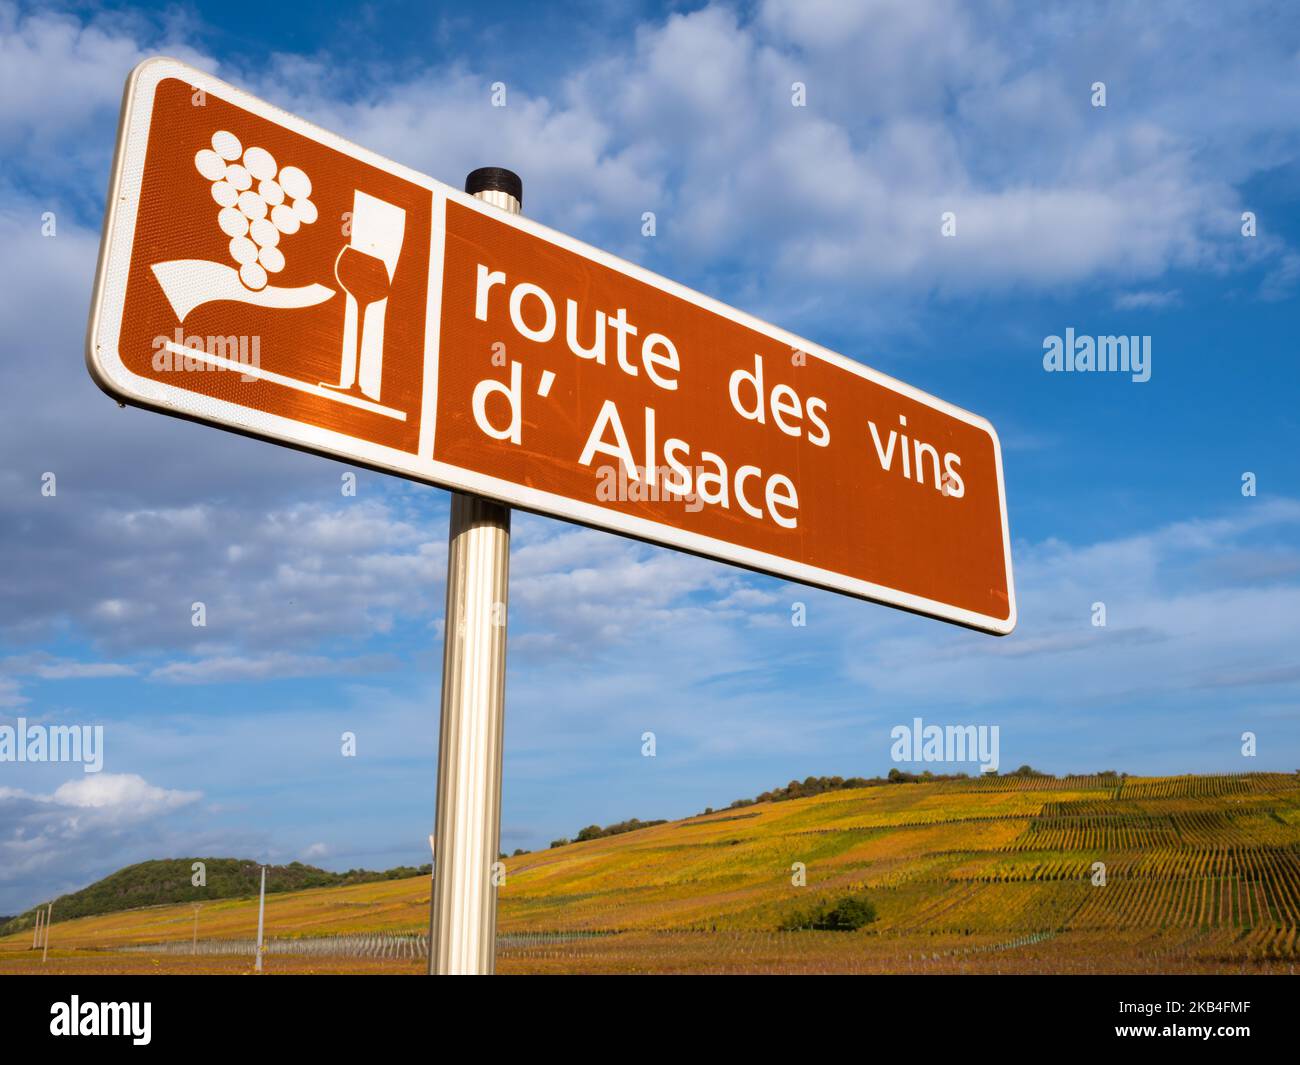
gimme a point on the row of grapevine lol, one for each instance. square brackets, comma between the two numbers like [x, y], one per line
[1099, 807]
[396, 945]
[1207, 787]
[1095, 834]
[1243, 888]
[936, 818]
[358, 945]
[1094, 782]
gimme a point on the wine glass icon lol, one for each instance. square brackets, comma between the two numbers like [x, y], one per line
[364, 270]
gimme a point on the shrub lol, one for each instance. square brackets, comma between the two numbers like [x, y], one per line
[845, 914]
[849, 914]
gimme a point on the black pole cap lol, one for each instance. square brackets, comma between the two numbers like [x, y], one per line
[495, 179]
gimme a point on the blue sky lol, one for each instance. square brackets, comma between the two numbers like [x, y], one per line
[825, 219]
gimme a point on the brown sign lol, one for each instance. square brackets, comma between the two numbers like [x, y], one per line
[263, 275]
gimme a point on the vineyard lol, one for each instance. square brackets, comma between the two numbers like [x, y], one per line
[1012, 874]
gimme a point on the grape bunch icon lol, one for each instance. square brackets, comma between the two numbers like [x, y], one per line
[260, 203]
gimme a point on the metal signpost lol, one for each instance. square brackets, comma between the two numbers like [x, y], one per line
[261, 912]
[266, 276]
[467, 835]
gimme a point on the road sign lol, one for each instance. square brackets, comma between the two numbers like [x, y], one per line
[269, 277]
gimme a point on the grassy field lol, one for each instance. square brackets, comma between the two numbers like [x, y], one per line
[994, 875]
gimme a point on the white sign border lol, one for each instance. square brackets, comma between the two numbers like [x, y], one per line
[105, 364]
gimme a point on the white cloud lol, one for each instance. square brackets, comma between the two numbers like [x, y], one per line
[61, 81]
[1148, 299]
[85, 818]
[52, 843]
[124, 794]
[52, 66]
[913, 110]
[1174, 626]
[11, 695]
[50, 667]
[117, 796]
[302, 572]
[272, 665]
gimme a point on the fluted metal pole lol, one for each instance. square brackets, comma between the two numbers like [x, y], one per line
[467, 833]
[261, 911]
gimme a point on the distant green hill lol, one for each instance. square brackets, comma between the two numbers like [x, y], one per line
[168, 880]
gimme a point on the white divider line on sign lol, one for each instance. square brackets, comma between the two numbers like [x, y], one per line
[249, 370]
